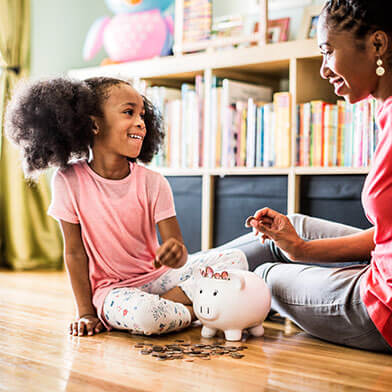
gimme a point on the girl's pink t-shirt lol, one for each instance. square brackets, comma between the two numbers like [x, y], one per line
[118, 223]
[376, 284]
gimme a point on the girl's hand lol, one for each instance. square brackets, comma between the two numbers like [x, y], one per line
[278, 228]
[88, 324]
[171, 253]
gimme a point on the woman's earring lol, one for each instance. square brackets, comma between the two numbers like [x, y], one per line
[95, 129]
[380, 71]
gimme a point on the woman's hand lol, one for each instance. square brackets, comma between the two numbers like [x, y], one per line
[88, 324]
[171, 253]
[278, 228]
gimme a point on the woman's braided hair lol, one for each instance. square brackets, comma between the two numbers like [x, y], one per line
[362, 17]
[50, 120]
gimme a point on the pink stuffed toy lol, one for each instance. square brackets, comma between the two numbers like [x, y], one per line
[139, 30]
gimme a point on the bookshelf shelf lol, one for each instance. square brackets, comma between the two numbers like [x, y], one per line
[294, 65]
[273, 59]
[220, 42]
[241, 171]
[180, 172]
[303, 171]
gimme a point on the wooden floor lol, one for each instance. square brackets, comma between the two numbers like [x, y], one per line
[36, 354]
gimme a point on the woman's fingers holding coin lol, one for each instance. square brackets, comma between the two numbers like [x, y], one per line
[249, 220]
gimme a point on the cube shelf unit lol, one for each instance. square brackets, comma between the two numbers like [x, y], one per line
[292, 66]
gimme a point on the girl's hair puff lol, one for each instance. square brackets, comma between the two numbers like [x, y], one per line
[50, 120]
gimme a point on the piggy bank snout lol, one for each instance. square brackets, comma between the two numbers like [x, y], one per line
[206, 312]
[205, 304]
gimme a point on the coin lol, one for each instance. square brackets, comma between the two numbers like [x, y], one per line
[145, 352]
[236, 355]
[248, 220]
[189, 351]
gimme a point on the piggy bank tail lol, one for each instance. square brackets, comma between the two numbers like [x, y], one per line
[94, 38]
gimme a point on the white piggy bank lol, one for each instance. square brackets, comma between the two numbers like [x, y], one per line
[231, 301]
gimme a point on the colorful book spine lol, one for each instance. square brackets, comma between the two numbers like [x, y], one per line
[339, 134]
[318, 108]
[282, 109]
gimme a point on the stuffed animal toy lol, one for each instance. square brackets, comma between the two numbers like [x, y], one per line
[140, 29]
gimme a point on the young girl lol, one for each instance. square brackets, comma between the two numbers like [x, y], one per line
[108, 206]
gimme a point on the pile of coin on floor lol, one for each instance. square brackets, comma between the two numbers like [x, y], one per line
[187, 351]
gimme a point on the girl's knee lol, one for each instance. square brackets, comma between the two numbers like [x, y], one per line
[240, 259]
[157, 316]
[232, 259]
[145, 316]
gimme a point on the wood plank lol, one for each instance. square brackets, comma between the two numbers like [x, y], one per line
[36, 354]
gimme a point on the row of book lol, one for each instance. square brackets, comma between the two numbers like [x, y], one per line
[197, 20]
[339, 134]
[249, 126]
[246, 129]
[182, 110]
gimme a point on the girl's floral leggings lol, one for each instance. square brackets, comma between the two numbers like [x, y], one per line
[141, 310]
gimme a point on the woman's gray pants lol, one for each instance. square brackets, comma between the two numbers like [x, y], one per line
[322, 299]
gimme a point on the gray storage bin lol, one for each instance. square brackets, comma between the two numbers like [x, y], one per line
[237, 197]
[336, 198]
[187, 198]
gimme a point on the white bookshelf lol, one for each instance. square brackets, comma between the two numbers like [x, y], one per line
[268, 64]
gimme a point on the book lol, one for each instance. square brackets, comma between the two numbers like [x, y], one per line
[231, 128]
[197, 20]
[251, 134]
[269, 126]
[317, 155]
[259, 135]
[235, 91]
[341, 130]
[282, 109]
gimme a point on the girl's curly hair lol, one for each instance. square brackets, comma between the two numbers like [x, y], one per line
[362, 17]
[50, 120]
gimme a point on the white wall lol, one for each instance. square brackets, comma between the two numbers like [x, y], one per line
[227, 7]
[59, 28]
[58, 31]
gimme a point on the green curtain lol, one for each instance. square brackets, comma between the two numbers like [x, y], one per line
[29, 238]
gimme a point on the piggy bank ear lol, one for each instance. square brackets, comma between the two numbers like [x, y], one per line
[209, 272]
[225, 275]
[238, 281]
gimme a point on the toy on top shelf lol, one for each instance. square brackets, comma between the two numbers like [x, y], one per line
[140, 29]
[231, 301]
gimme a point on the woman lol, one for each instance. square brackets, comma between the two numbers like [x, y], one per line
[351, 305]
